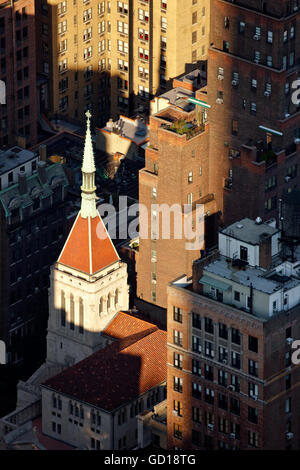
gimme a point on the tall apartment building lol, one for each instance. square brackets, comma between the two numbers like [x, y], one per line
[18, 70]
[111, 56]
[252, 62]
[231, 383]
[33, 211]
[176, 172]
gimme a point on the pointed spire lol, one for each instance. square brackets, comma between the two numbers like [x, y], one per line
[88, 163]
[88, 188]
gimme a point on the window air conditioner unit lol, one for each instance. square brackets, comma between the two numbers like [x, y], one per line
[288, 369]
[287, 178]
[220, 77]
[219, 101]
[256, 37]
[289, 435]
[234, 82]
[210, 427]
[267, 93]
[256, 61]
[255, 397]
[297, 140]
[232, 435]
[224, 361]
[231, 387]
[19, 278]
[175, 412]
[287, 115]
[289, 340]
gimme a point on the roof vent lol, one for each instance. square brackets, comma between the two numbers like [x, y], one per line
[239, 226]
[258, 220]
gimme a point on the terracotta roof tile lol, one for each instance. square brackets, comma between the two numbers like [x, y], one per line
[120, 372]
[88, 247]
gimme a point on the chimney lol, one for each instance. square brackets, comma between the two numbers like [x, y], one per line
[22, 181]
[265, 251]
[43, 152]
[41, 168]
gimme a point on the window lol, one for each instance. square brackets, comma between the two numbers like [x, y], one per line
[87, 15]
[196, 414]
[177, 407]
[235, 382]
[196, 344]
[252, 439]
[242, 26]
[143, 53]
[234, 129]
[194, 17]
[235, 406]
[223, 331]
[190, 198]
[143, 15]
[271, 183]
[288, 405]
[177, 315]
[253, 108]
[270, 37]
[253, 344]
[177, 360]
[196, 438]
[252, 415]
[209, 326]
[235, 336]
[291, 172]
[177, 384]
[256, 57]
[101, 8]
[253, 367]
[194, 37]
[209, 396]
[209, 372]
[143, 35]
[209, 349]
[122, 27]
[288, 381]
[163, 23]
[196, 367]
[123, 65]
[235, 360]
[222, 378]
[252, 390]
[270, 204]
[196, 391]
[222, 401]
[190, 177]
[177, 337]
[122, 46]
[177, 431]
[196, 321]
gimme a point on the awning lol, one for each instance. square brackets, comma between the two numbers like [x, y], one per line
[210, 281]
[199, 102]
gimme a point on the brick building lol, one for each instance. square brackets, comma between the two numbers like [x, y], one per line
[18, 71]
[231, 383]
[252, 62]
[111, 56]
[176, 172]
[33, 210]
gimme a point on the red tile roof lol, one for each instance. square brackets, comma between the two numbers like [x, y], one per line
[88, 247]
[120, 372]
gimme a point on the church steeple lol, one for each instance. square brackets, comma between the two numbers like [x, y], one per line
[88, 188]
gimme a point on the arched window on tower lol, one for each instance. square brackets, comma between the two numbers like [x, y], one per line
[81, 316]
[108, 302]
[63, 309]
[101, 306]
[117, 296]
[72, 312]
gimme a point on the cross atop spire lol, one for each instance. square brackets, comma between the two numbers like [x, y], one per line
[88, 164]
[88, 188]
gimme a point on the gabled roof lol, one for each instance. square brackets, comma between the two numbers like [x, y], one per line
[122, 371]
[88, 247]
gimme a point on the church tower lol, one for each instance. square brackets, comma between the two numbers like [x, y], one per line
[88, 284]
